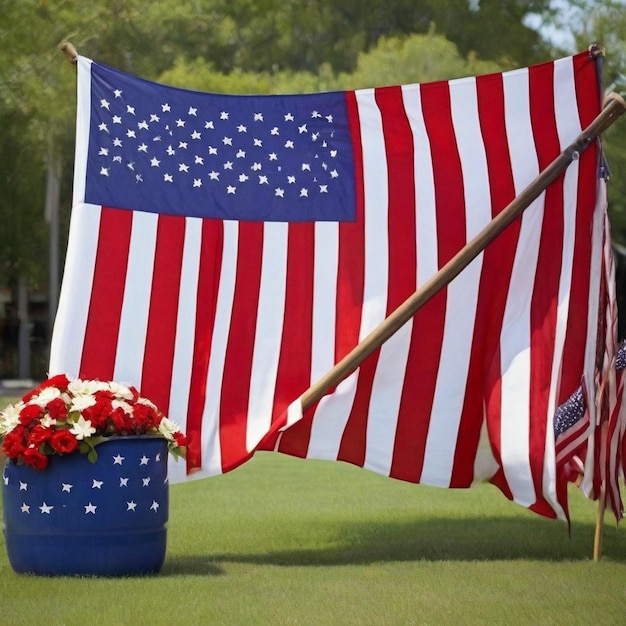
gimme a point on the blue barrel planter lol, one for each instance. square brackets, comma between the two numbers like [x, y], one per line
[77, 518]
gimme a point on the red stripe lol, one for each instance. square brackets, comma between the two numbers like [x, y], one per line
[211, 250]
[107, 295]
[498, 259]
[156, 377]
[543, 311]
[294, 367]
[235, 390]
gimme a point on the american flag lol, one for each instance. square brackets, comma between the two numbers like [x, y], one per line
[226, 251]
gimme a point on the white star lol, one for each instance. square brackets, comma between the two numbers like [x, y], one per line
[329, 118]
[289, 144]
[123, 482]
[333, 153]
[306, 166]
[119, 459]
[138, 178]
[117, 142]
[97, 484]
[197, 182]
[104, 171]
[209, 125]
[157, 458]
[25, 508]
[273, 156]
[45, 508]
[258, 117]
[291, 179]
[130, 109]
[227, 141]
[241, 154]
[255, 167]
[214, 175]
[118, 93]
[131, 133]
[145, 481]
[192, 111]
[302, 129]
[90, 508]
[117, 119]
[168, 178]
[131, 506]
[223, 115]
[180, 123]
[23, 486]
[263, 180]
[230, 189]
[289, 117]
[228, 165]
[154, 118]
[304, 193]
[334, 174]
[196, 135]
[275, 131]
[144, 460]
[243, 178]
[154, 162]
[316, 114]
[279, 192]
[183, 167]
[155, 505]
[103, 126]
[242, 129]
[142, 148]
[165, 108]
[170, 150]
[6, 480]
[143, 124]
[66, 487]
[315, 136]
[104, 104]
[198, 160]
[103, 152]
[258, 143]
[212, 150]
[323, 188]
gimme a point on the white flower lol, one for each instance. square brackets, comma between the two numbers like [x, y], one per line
[85, 387]
[47, 421]
[167, 428]
[82, 402]
[120, 391]
[147, 402]
[120, 404]
[10, 417]
[82, 428]
[47, 394]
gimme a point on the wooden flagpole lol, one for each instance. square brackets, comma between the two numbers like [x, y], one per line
[614, 107]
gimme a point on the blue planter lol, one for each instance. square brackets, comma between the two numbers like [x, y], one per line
[90, 519]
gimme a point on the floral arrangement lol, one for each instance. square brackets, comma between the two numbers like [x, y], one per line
[65, 416]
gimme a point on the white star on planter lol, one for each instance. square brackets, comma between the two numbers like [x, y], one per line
[45, 508]
[155, 505]
[6, 480]
[118, 459]
[144, 460]
[66, 487]
[97, 484]
[90, 508]
[131, 506]
[25, 508]
[123, 482]
[23, 486]
[145, 481]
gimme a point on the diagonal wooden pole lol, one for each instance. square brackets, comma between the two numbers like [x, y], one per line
[614, 107]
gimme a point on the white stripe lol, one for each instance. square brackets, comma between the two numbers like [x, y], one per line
[83, 118]
[71, 319]
[131, 341]
[268, 335]
[515, 336]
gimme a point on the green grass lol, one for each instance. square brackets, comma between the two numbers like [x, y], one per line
[285, 541]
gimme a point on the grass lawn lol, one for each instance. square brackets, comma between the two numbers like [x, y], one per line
[286, 541]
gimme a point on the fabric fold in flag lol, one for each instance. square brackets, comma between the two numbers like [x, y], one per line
[226, 251]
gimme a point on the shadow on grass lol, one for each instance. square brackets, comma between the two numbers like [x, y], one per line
[480, 539]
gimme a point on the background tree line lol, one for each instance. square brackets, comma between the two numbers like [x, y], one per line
[252, 46]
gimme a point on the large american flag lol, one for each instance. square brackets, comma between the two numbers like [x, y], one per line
[226, 251]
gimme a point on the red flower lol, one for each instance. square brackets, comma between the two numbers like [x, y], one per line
[122, 423]
[30, 413]
[57, 409]
[39, 434]
[15, 442]
[31, 456]
[180, 438]
[145, 418]
[99, 412]
[63, 442]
